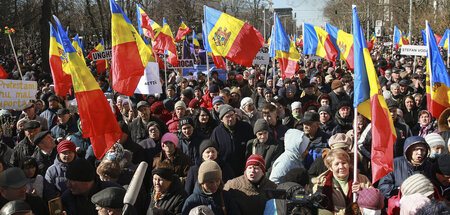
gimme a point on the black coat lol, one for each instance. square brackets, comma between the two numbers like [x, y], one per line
[139, 132]
[44, 161]
[214, 201]
[171, 201]
[192, 176]
[23, 149]
[232, 144]
[38, 206]
[190, 146]
[270, 150]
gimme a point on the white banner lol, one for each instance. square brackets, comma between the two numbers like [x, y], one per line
[182, 63]
[150, 82]
[413, 50]
[15, 94]
[103, 55]
[261, 58]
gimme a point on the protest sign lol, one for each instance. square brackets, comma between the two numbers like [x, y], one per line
[150, 82]
[182, 63]
[14, 94]
[413, 50]
[103, 55]
[202, 68]
[261, 58]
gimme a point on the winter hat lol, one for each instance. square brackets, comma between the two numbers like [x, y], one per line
[246, 101]
[336, 84]
[168, 104]
[209, 170]
[66, 145]
[206, 144]
[291, 88]
[185, 120]
[224, 109]
[297, 175]
[296, 105]
[325, 108]
[201, 210]
[409, 204]
[188, 93]
[213, 89]
[344, 103]
[434, 139]
[217, 99]
[371, 198]
[80, 170]
[443, 164]
[157, 107]
[165, 173]
[169, 137]
[260, 125]
[194, 103]
[180, 104]
[339, 140]
[417, 183]
[256, 160]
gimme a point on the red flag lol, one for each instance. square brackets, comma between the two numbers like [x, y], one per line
[219, 62]
[3, 74]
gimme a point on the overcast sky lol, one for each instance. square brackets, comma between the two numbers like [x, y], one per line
[309, 11]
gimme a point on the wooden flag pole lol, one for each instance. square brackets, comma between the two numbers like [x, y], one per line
[15, 56]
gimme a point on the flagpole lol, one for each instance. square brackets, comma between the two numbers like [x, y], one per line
[275, 50]
[355, 148]
[15, 56]
[207, 69]
[429, 64]
[165, 70]
[448, 50]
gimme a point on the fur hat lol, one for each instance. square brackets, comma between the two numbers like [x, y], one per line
[443, 123]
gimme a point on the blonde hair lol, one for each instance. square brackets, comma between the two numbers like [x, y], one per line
[109, 170]
[336, 153]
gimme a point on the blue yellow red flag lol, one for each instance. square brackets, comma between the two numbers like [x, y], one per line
[370, 102]
[98, 123]
[59, 64]
[182, 31]
[285, 51]
[102, 65]
[146, 26]
[164, 40]
[317, 41]
[76, 43]
[445, 39]
[438, 81]
[218, 60]
[232, 38]
[130, 54]
[343, 43]
[194, 39]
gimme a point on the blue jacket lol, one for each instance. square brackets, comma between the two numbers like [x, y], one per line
[214, 201]
[191, 146]
[55, 179]
[50, 116]
[295, 143]
[403, 168]
[64, 130]
[232, 145]
[319, 143]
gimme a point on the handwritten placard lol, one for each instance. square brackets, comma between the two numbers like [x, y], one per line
[15, 94]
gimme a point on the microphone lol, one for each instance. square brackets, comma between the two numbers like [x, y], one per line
[134, 187]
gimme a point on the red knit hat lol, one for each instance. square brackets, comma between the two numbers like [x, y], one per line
[66, 145]
[157, 107]
[256, 160]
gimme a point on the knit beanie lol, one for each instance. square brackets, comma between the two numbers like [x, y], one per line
[434, 139]
[66, 145]
[224, 109]
[169, 137]
[209, 170]
[185, 120]
[157, 107]
[206, 144]
[339, 141]
[417, 183]
[165, 173]
[80, 170]
[256, 160]
[213, 89]
[246, 101]
[371, 198]
[296, 105]
[410, 204]
[260, 125]
[194, 103]
[217, 99]
[180, 104]
[336, 84]
[325, 108]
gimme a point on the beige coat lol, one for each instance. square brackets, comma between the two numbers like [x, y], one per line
[338, 197]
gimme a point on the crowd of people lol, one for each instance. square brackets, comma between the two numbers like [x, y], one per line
[225, 146]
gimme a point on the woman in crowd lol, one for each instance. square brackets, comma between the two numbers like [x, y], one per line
[410, 111]
[427, 124]
[203, 122]
[35, 185]
[151, 145]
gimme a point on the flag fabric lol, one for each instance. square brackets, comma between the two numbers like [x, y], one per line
[438, 89]
[370, 103]
[165, 42]
[76, 43]
[231, 38]
[399, 38]
[146, 26]
[272, 51]
[445, 39]
[408, 38]
[317, 41]
[130, 54]
[3, 74]
[59, 64]
[194, 39]
[97, 119]
[299, 41]
[343, 43]
[182, 31]
[153, 54]
[218, 60]
[285, 51]
[101, 64]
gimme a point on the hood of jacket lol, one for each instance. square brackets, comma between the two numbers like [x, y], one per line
[295, 141]
[410, 141]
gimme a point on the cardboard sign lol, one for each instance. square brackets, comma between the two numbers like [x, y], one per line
[261, 58]
[14, 94]
[182, 63]
[103, 55]
[202, 68]
[413, 50]
[150, 82]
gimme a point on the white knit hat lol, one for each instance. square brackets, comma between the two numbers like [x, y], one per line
[296, 105]
[434, 139]
[246, 101]
[417, 183]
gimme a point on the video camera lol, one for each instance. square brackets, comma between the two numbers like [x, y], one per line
[297, 201]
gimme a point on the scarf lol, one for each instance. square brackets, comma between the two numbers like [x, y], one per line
[328, 191]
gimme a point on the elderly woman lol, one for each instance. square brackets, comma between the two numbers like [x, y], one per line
[410, 111]
[167, 196]
[427, 124]
[337, 182]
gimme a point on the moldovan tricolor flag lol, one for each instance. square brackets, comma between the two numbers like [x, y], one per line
[445, 39]
[317, 41]
[399, 39]
[182, 31]
[146, 26]
[3, 74]
[76, 43]
[130, 54]
[97, 119]
[59, 64]
[194, 39]
[165, 42]
[285, 51]
[371, 104]
[101, 64]
[232, 38]
[438, 94]
[218, 60]
[343, 42]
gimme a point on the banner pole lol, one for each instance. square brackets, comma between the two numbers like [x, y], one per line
[355, 149]
[207, 69]
[275, 51]
[15, 56]
[165, 70]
